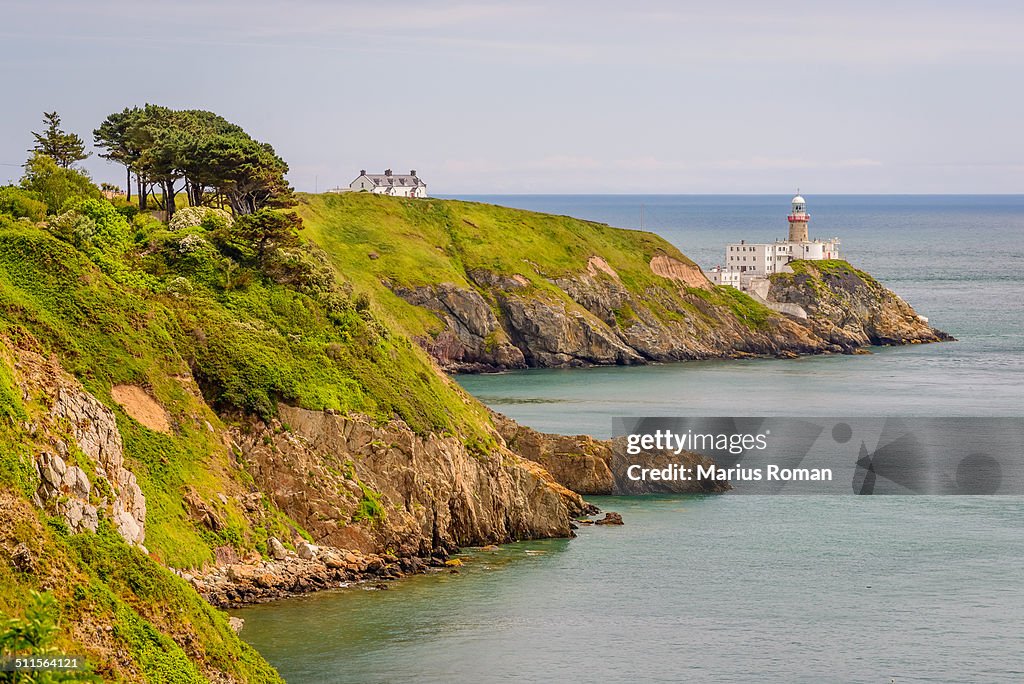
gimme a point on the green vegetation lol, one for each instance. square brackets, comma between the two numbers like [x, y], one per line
[814, 274]
[430, 241]
[215, 161]
[32, 635]
[369, 507]
[97, 580]
[55, 185]
[749, 311]
[255, 316]
[22, 204]
[834, 267]
[116, 571]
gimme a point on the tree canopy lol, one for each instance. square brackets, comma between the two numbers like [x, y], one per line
[255, 236]
[112, 136]
[215, 162]
[63, 147]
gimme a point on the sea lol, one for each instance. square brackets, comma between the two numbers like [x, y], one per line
[736, 588]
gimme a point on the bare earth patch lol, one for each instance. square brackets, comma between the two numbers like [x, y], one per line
[137, 403]
[675, 270]
[596, 263]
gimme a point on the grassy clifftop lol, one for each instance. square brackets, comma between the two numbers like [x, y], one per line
[437, 240]
[482, 286]
[384, 243]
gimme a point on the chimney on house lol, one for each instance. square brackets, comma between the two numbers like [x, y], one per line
[413, 173]
[362, 172]
[387, 172]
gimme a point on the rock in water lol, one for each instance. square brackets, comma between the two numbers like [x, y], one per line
[610, 518]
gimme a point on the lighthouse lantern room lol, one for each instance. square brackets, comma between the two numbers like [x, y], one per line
[798, 219]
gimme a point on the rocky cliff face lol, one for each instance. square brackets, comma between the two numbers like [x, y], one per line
[79, 455]
[590, 466]
[849, 308]
[593, 318]
[353, 484]
[473, 335]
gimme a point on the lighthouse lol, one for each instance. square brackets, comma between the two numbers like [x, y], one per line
[749, 266]
[798, 219]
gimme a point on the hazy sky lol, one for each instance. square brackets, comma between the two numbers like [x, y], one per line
[566, 96]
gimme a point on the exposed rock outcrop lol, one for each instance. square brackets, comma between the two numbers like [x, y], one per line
[610, 518]
[594, 318]
[579, 462]
[353, 484]
[550, 334]
[593, 466]
[849, 308]
[313, 568]
[472, 336]
[80, 454]
[95, 431]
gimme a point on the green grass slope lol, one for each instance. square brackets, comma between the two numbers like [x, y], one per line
[380, 242]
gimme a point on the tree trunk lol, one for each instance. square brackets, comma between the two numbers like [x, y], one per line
[158, 201]
[169, 198]
[128, 183]
[143, 199]
[194, 192]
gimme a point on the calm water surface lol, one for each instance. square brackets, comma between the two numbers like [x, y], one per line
[726, 589]
[736, 589]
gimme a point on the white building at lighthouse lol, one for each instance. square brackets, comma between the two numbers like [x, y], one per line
[747, 263]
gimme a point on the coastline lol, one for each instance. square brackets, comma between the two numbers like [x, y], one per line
[254, 580]
[311, 568]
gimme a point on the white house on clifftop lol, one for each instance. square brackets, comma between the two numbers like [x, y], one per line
[388, 183]
[748, 265]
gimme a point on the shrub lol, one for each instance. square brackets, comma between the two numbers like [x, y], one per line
[33, 635]
[217, 220]
[33, 632]
[94, 224]
[73, 227]
[113, 234]
[255, 236]
[56, 186]
[192, 243]
[127, 209]
[193, 217]
[21, 204]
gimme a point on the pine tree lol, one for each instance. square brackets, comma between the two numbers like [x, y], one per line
[65, 148]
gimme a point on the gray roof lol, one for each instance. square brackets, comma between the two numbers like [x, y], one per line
[400, 181]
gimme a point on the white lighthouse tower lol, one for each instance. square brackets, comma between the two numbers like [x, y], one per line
[798, 219]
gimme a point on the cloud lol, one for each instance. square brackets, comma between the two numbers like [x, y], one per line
[583, 32]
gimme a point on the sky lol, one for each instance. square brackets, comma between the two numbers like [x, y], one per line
[551, 97]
